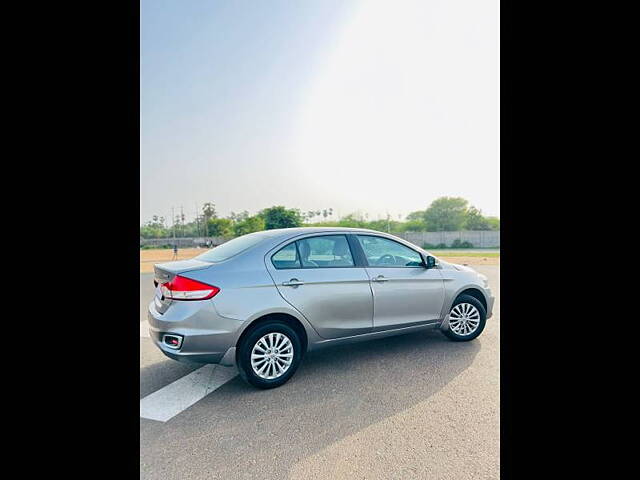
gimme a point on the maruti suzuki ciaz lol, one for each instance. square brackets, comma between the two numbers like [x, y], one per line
[262, 300]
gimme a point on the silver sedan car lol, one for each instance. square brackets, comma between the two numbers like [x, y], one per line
[261, 301]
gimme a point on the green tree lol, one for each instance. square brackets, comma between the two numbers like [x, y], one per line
[412, 226]
[352, 221]
[327, 212]
[220, 227]
[208, 212]
[446, 214]
[249, 225]
[494, 223]
[475, 220]
[417, 216]
[280, 217]
[383, 225]
[415, 222]
[154, 228]
[239, 217]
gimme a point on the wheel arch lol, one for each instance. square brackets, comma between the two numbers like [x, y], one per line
[475, 293]
[287, 318]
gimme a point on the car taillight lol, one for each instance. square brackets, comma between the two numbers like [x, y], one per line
[182, 288]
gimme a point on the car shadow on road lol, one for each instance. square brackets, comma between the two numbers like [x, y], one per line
[335, 393]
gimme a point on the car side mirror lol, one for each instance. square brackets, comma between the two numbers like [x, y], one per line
[430, 262]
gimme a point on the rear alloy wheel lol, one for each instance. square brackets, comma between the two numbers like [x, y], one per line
[467, 319]
[272, 355]
[269, 355]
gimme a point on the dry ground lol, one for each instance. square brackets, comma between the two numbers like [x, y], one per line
[149, 257]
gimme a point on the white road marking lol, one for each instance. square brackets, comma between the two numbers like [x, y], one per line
[144, 329]
[169, 401]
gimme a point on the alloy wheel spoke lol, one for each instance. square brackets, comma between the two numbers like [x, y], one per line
[268, 364]
[464, 319]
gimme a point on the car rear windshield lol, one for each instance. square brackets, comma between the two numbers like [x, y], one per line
[232, 247]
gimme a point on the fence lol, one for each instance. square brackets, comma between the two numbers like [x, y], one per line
[479, 239]
[187, 242]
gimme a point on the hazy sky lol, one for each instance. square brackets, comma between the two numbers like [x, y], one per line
[371, 106]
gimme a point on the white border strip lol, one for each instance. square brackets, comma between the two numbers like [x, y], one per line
[144, 329]
[169, 401]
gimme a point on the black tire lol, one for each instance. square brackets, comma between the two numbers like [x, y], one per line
[483, 319]
[244, 354]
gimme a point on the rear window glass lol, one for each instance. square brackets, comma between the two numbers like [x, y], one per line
[232, 247]
[286, 257]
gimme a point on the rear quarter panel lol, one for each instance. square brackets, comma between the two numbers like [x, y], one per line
[247, 292]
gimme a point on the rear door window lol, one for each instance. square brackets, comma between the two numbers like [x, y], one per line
[327, 251]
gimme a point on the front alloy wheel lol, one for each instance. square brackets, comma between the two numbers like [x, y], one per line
[467, 319]
[464, 319]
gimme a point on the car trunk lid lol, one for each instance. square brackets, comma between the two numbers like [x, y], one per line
[165, 272]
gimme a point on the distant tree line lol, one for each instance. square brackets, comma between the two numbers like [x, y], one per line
[444, 214]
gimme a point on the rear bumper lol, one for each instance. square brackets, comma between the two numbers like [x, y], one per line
[206, 336]
[228, 359]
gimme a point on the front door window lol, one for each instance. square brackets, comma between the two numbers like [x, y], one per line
[382, 252]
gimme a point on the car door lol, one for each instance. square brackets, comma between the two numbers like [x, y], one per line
[318, 276]
[405, 293]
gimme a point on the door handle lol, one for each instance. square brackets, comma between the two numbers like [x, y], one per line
[294, 282]
[379, 278]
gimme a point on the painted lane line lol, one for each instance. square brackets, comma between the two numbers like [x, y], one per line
[169, 401]
[144, 329]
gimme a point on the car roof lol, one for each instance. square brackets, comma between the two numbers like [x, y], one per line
[288, 232]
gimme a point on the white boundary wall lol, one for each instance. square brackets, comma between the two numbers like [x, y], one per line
[479, 239]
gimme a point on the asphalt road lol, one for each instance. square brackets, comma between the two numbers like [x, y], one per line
[412, 406]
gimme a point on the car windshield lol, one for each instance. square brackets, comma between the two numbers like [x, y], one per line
[232, 247]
